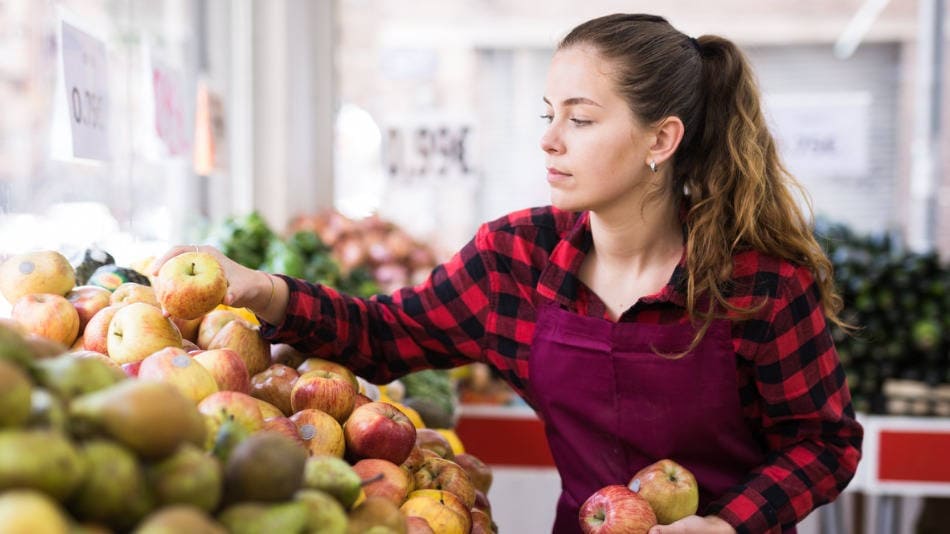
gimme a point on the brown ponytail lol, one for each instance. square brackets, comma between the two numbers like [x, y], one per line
[740, 196]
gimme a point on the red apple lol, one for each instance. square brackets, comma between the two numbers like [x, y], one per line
[285, 354]
[131, 369]
[129, 292]
[211, 323]
[482, 503]
[284, 426]
[417, 525]
[415, 458]
[379, 430]
[242, 407]
[47, 315]
[427, 438]
[88, 300]
[275, 385]
[245, 339]
[384, 479]
[615, 509]
[319, 364]
[96, 334]
[481, 522]
[189, 346]
[320, 432]
[323, 390]
[175, 366]
[191, 284]
[478, 472]
[93, 355]
[188, 328]
[227, 368]
[445, 475]
[444, 512]
[360, 400]
[670, 488]
[139, 329]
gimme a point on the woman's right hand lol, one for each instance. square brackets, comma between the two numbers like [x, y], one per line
[247, 288]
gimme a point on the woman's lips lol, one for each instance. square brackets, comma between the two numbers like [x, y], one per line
[555, 176]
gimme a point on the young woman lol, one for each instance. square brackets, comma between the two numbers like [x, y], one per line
[670, 303]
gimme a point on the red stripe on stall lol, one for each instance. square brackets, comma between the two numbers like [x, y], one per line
[914, 456]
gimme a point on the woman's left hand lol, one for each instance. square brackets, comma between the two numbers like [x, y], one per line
[695, 525]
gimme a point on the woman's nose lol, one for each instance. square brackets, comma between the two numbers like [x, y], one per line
[550, 141]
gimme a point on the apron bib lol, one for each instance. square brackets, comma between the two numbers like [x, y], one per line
[611, 405]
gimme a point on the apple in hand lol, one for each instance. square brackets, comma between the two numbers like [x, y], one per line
[320, 432]
[443, 510]
[323, 390]
[191, 284]
[175, 366]
[245, 339]
[211, 323]
[139, 329]
[88, 300]
[670, 488]
[445, 475]
[275, 385]
[47, 315]
[129, 292]
[384, 479]
[227, 368]
[478, 471]
[96, 333]
[615, 509]
[379, 430]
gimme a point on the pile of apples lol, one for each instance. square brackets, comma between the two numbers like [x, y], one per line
[118, 416]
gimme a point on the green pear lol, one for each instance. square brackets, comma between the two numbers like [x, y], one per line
[228, 433]
[13, 345]
[46, 411]
[24, 511]
[68, 376]
[40, 459]
[324, 514]
[189, 476]
[151, 418]
[15, 389]
[255, 518]
[265, 467]
[334, 476]
[177, 519]
[113, 490]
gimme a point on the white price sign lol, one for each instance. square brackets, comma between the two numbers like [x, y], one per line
[430, 150]
[86, 78]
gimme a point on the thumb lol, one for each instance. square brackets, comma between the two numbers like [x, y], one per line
[656, 530]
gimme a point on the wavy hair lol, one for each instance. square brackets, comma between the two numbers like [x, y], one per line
[737, 193]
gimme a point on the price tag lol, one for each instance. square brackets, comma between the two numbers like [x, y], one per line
[428, 151]
[86, 78]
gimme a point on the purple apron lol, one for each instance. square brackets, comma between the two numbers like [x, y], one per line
[612, 406]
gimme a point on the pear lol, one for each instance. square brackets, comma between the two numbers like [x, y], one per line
[13, 345]
[14, 395]
[334, 476]
[255, 518]
[113, 490]
[265, 467]
[227, 436]
[40, 459]
[46, 411]
[177, 519]
[68, 376]
[379, 513]
[190, 476]
[152, 418]
[324, 513]
[24, 511]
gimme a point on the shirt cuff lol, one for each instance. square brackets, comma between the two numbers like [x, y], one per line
[747, 512]
[283, 332]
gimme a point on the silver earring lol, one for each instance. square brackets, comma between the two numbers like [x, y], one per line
[653, 165]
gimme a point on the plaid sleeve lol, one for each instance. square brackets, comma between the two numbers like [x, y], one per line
[437, 324]
[812, 437]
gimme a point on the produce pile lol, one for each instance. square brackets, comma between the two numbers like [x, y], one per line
[116, 418]
[900, 301]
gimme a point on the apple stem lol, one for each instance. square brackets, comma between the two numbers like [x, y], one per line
[375, 478]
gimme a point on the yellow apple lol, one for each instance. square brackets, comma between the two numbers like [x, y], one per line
[190, 285]
[175, 366]
[47, 315]
[445, 513]
[129, 292]
[45, 271]
[139, 329]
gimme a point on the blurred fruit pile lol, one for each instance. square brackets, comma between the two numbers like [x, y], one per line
[116, 418]
[899, 359]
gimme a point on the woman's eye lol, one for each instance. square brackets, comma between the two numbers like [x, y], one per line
[547, 118]
[581, 122]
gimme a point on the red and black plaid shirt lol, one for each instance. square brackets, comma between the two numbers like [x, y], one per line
[480, 306]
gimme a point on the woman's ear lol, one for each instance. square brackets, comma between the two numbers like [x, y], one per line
[668, 133]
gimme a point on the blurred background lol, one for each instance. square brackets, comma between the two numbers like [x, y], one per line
[392, 128]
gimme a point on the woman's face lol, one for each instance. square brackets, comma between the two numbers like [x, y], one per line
[596, 150]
